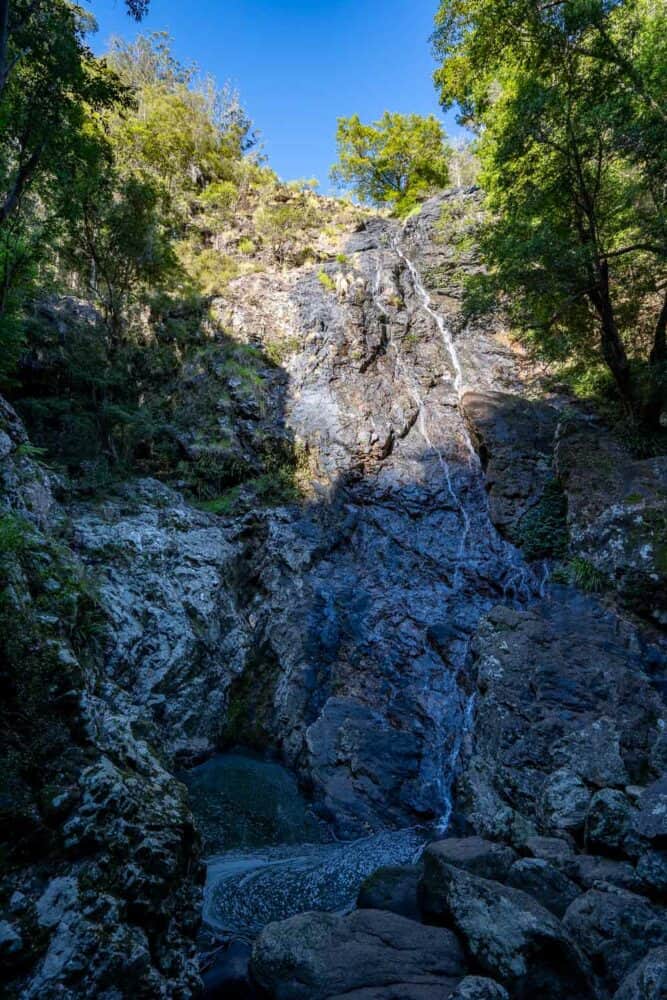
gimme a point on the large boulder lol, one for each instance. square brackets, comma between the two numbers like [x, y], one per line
[615, 928]
[609, 821]
[652, 818]
[507, 933]
[549, 886]
[474, 854]
[648, 980]
[370, 953]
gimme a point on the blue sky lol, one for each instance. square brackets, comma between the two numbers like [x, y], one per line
[299, 65]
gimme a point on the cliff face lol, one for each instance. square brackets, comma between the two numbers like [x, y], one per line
[392, 634]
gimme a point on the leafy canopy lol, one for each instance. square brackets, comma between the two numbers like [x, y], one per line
[569, 100]
[398, 161]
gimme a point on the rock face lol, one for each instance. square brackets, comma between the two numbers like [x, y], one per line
[333, 632]
[616, 514]
[175, 636]
[101, 884]
[567, 719]
[514, 437]
[318, 956]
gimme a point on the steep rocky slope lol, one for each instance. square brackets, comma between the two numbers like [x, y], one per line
[392, 636]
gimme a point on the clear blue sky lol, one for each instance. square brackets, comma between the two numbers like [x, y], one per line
[299, 65]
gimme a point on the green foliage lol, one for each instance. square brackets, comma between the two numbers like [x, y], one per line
[280, 224]
[14, 534]
[543, 530]
[279, 349]
[569, 102]
[398, 161]
[587, 576]
[326, 281]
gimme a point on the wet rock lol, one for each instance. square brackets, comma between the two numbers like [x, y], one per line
[550, 887]
[648, 980]
[615, 928]
[392, 888]
[609, 820]
[508, 933]
[473, 854]
[369, 953]
[479, 988]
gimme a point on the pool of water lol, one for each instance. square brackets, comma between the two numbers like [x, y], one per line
[268, 856]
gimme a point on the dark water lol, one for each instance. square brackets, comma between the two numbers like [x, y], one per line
[241, 801]
[268, 857]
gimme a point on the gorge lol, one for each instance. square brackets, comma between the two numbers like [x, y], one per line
[468, 727]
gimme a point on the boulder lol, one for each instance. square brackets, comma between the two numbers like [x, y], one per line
[591, 871]
[609, 820]
[648, 980]
[474, 854]
[479, 988]
[228, 978]
[553, 849]
[565, 801]
[652, 818]
[593, 752]
[652, 873]
[369, 953]
[549, 886]
[615, 928]
[392, 888]
[508, 934]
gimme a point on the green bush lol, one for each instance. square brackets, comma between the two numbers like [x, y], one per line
[326, 281]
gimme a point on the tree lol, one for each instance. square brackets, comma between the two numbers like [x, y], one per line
[570, 102]
[17, 19]
[398, 160]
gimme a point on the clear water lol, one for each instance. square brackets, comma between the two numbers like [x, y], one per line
[269, 858]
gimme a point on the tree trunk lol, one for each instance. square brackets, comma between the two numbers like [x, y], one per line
[657, 399]
[613, 349]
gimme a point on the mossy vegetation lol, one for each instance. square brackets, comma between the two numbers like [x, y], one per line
[326, 281]
[50, 622]
[543, 530]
